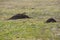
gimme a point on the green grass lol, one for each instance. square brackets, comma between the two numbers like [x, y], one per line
[14, 30]
[29, 29]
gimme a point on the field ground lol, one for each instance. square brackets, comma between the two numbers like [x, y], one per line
[34, 28]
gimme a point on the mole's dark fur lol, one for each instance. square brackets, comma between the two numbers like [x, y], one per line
[19, 16]
[50, 20]
[32, 8]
